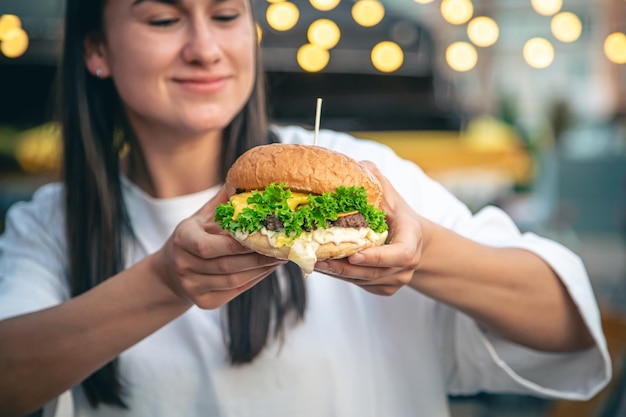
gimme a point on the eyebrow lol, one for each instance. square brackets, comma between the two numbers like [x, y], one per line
[137, 2]
[171, 2]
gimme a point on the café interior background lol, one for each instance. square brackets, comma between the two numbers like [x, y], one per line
[516, 103]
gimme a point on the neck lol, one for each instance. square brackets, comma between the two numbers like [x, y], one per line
[172, 168]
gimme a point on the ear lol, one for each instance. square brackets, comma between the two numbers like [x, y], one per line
[96, 59]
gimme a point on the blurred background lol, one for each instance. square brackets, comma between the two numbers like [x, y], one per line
[515, 103]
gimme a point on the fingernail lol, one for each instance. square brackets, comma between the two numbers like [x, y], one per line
[357, 258]
[322, 266]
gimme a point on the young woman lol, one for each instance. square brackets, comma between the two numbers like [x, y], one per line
[119, 295]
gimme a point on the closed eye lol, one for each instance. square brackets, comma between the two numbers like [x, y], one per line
[226, 18]
[164, 22]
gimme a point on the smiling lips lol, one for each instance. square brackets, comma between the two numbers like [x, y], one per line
[202, 85]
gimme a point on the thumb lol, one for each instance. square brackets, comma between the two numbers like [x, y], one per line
[391, 197]
[371, 167]
[207, 211]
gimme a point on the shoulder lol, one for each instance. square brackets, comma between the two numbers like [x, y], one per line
[33, 253]
[46, 200]
[42, 214]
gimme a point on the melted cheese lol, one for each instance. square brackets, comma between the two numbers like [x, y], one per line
[347, 214]
[297, 199]
[240, 201]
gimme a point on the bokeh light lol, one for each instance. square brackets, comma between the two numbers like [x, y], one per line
[483, 31]
[7, 23]
[423, 1]
[324, 5]
[538, 53]
[324, 33]
[282, 16]
[461, 56]
[615, 47]
[14, 43]
[368, 13]
[312, 58]
[566, 27]
[547, 7]
[457, 12]
[387, 56]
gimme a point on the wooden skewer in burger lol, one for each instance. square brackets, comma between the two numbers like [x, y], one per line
[303, 203]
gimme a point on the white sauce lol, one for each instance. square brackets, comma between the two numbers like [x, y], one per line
[302, 250]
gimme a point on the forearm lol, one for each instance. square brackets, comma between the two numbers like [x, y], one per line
[44, 353]
[510, 291]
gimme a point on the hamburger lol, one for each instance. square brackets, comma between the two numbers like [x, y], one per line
[303, 203]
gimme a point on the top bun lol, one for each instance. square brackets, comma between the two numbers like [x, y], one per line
[303, 168]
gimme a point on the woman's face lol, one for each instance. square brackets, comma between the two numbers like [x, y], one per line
[178, 65]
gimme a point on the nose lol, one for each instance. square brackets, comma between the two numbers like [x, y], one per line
[202, 46]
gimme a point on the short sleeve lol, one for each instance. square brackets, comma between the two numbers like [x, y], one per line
[33, 260]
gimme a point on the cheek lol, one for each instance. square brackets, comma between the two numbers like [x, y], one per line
[247, 62]
[132, 53]
[135, 68]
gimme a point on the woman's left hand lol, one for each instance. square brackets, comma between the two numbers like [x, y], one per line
[383, 270]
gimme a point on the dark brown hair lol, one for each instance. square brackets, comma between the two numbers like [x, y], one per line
[97, 220]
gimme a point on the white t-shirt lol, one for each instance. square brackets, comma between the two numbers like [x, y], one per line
[356, 354]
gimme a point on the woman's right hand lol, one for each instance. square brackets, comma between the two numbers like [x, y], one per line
[204, 265]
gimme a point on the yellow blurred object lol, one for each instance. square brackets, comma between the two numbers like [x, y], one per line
[615, 47]
[547, 7]
[461, 56]
[566, 27]
[39, 150]
[486, 147]
[483, 31]
[259, 33]
[368, 13]
[324, 33]
[312, 58]
[324, 5]
[14, 43]
[387, 56]
[7, 23]
[489, 134]
[282, 16]
[457, 12]
[538, 53]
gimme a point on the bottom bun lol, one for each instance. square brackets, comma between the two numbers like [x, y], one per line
[310, 247]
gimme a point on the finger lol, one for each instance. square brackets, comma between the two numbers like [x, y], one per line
[215, 299]
[234, 264]
[211, 283]
[194, 239]
[387, 284]
[385, 290]
[402, 252]
[197, 284]
[342, 268]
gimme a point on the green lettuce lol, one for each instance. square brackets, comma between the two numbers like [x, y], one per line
[315, 214]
